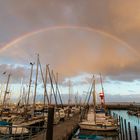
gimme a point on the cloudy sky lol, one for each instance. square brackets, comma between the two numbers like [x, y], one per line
[76, 37]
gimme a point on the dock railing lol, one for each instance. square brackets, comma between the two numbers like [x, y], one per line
[126, 130]
[22, 132]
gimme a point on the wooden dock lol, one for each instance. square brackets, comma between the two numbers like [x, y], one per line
[61, 131]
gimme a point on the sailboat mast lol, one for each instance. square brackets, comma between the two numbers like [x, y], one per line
[51, 95]
[55, 97]
[101, 82]
[1, 94]
[30, 84]
[34, 100]
[50, 76]
[69, 100]
[90, 91]
[44, 82]
[94, 101]
[57, 89]
[56, 81]
[102, 89]
[6, 91]
[24, 96]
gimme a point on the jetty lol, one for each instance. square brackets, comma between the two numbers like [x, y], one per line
[61, 131]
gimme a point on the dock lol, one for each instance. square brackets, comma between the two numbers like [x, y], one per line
[61, 131]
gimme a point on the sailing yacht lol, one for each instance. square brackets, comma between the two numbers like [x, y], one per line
[97, 120]
[100, 123]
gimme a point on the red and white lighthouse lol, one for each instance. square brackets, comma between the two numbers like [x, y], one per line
[102, 99]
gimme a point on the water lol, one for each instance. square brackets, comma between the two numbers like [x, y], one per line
[134, 121]
[94, 137]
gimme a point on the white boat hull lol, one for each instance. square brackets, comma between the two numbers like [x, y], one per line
[15, 131]
[97, 128]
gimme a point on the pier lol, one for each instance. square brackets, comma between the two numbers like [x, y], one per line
[127, 129]
[122, 106]
[65, 129]
[61, 131]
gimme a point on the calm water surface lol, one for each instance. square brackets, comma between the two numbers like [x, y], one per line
[134, 121]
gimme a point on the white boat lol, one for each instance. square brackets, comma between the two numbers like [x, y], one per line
[75, 110]
[8, 128]
[15, 130]
[56, 117]
[98, 121]
[102, 123]
[62, 114]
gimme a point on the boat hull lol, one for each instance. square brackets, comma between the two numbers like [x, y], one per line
[98, 128]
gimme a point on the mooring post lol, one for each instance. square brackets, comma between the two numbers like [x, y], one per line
[113, 114]
[125, 129]
[123, 135]
[10, 130]
[136, 133]
[109, 112]
[120, 128]
[129, 129]
[116, 116]
[119, 119]
[49, 134]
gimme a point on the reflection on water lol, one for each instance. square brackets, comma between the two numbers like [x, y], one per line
[79, 136]
[86, 135]
[134, 121]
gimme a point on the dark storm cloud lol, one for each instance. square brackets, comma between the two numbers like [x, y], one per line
[70, 51]
[119, 18]
[17, 73]
[18, 17]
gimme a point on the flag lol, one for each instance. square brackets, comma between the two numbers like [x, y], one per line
[4, 72]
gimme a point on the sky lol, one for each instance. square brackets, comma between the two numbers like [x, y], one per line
[77, 38]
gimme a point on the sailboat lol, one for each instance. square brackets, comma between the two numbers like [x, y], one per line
[97, 120]
[6, 126]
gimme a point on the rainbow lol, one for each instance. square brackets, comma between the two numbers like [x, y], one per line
[68, 27]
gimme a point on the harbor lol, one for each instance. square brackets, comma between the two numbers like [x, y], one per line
[53, 120]
[69, 70]
[69, 130]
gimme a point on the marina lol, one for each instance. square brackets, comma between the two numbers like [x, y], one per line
[54, 120]
[69, 70]
[69, 129]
